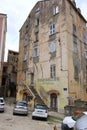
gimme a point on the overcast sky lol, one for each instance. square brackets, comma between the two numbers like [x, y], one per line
[17, 12]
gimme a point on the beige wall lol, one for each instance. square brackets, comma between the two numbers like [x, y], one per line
[64, 84]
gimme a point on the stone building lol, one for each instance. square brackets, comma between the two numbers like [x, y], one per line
[52, 65]
[3, 30]
[4, 79]
[11, 82]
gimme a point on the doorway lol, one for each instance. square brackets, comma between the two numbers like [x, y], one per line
[53, 102]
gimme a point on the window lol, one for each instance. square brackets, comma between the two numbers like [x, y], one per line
[26, 40]
[52, 29]
[85, 37]
[52, 46]
[85, 54]
[35, 52]
[53, 71]
[55, 10]
[74, 29]
[71, 10]
[36, 22]
[75, 44]
[36, 36]
[76, 72]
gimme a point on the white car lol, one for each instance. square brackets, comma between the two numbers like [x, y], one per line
[40, 111]
[2, 104]
[68, 122]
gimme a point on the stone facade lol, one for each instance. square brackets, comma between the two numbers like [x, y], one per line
[3, 30]
[53, 42]
[11, 83]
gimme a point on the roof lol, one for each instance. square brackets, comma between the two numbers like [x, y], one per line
[77, 10]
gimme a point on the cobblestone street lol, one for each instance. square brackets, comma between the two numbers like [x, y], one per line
[10, 122]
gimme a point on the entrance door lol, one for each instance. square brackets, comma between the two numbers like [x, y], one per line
[53, 101]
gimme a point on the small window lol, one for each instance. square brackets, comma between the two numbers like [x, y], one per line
[71, 10]
[52, 29]
[85, 37]
[36, 22]
[75, 47]
[76, 72]
[85, 54]
[52, 46]
[36, 36]
[74, 29]
[35, 52]
[53, 71]
[55, 10]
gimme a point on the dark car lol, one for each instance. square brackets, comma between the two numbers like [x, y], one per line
[40, 111]
[21, 107]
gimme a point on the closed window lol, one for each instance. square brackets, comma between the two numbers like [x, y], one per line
[74, 29]
[52, 29]
[75, 47]
[52, 46]
[76, 72]
[52, 71]
[35, 52]
[85, 37]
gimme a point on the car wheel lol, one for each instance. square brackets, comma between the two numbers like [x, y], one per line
[33, 117]
[13, 113]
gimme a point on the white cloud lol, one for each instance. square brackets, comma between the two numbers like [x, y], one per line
[17, 12]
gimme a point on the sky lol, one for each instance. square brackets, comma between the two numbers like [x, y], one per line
[17, 12]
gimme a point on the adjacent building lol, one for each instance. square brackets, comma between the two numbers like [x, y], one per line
[3, 30]
[11, 83]
[52, 62]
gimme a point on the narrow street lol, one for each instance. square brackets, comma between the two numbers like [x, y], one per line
[17, 122]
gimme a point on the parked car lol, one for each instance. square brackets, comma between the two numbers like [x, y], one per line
[21, 107]
[2, 104]
[40, 111]
[68, 122]
[81, 124]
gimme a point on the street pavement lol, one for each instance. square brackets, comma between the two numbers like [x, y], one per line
[10, 122]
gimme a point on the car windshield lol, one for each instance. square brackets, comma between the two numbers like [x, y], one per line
[21, 104]
[1, 100]
[76, 117]
[41, 107]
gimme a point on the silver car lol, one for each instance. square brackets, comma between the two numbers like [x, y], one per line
[81, 124]
[2, 104]
[68, 122]
[21, 107]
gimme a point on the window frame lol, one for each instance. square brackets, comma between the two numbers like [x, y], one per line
[52, 28]
[35, 52]
[52, 47]
[55, 10]
[53, 71]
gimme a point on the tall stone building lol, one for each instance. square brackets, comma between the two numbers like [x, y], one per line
[52, 66]
[3, 30]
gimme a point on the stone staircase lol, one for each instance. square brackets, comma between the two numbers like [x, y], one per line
[38, 99]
